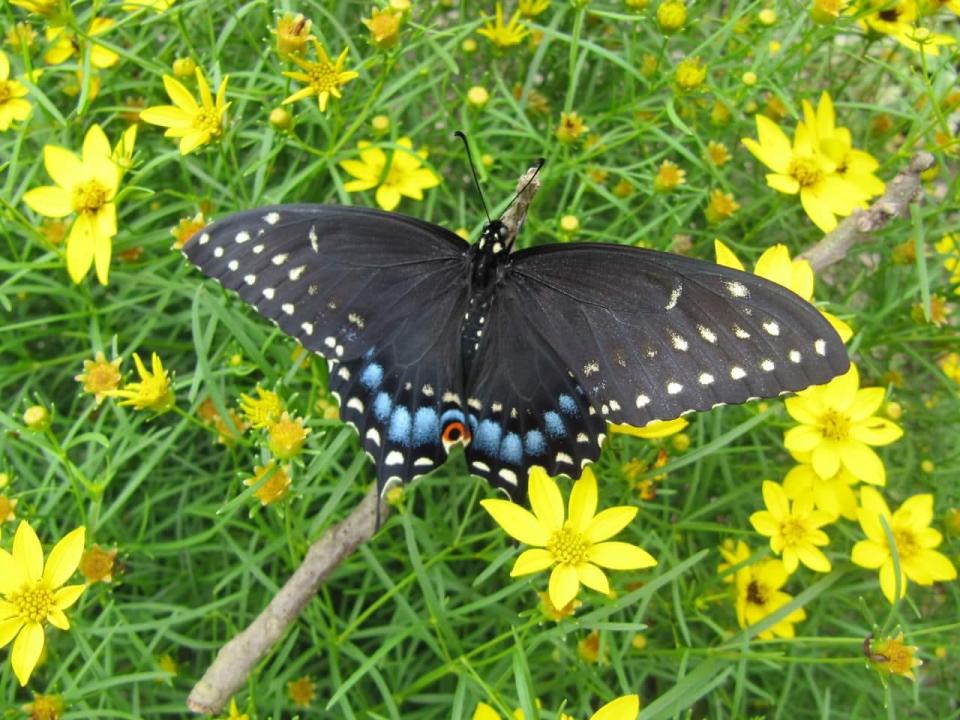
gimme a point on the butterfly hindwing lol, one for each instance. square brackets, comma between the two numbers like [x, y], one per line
[651, 336]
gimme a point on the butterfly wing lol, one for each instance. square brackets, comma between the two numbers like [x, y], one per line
[651, 335]
[525, 407]
[379, 295]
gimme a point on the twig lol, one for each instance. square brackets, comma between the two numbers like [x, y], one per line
[238, 657]
[900, 192]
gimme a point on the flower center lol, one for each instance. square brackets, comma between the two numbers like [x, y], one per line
[756, 594]
[891, 15]
[323, 77]
[793, 531]
[906, 541]
[805, 170]
[207, 119]
[5, 92]
[835, 425]
[33, 603]
[568, 547]
[90, 196]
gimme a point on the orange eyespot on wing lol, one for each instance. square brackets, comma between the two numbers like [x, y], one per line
[455, 432]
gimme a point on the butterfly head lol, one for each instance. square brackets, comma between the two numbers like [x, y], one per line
[494, 238]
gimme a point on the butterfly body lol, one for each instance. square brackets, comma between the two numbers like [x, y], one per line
[521, 357]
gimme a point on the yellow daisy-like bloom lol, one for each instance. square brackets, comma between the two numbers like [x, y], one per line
[262, 411]
[899, 20]
[652, 430]
[96, 564]
[292, 33]
[269, 489]
[834, 495]
[626, 707]
[838, 426]
[758, 591]
[13, 108]
[892, 656]
[400, 175]
[7, 509]
[855, 166]
[235, 713]
[100, 376]
[504, 35]
[153, 392]
[85, 185]
[47, 8]
[45, 707]
[913, 538]
[801, 168]
[322, 78]
[721, 206]
[158, 6]
[793, 529]
[63, 44]
[35, 593]
[302, 691]
[287, 436]
[669, 176]
[571, 127]
[794, 274]
[717, 153]
[532, 8]
[186, 228]
[384, 27]
[195, 124]
[576, 545]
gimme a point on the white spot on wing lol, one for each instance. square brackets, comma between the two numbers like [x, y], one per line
[642, 401]
[218, 252]
[373, 435]
[307, 328]
[771, 328]
[741, 333]
[330, 342]
[257, 249]
[451, 397]
[674, 297]
[707, 334]
[480, 465]
[475, 403]
[706, 378]
[679, 343]
[820, 346]
[242, 237]
[297, 272]
[204, 239]
[268, 293]
[737, 372]
[564, 458]
[249, 279]
[355, 404]
[234, 265]
[271, 218]
[767, 366]
[313, 239]
[427, 390]
[287, 308]
[674, 387]
[737, 289]
[423, 462]
[344, 373]
[795, 356]
[506, 474]
[394, 457]
[591, 367]
[279, 259]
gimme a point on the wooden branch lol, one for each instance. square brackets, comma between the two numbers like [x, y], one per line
[238, 657]
[857, 228]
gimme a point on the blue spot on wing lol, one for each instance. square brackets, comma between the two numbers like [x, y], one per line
[511, 450]
[568, 405]
[450, 416]
[487, 437]
[400, 424]
[381, 407]
[372, 376]
[554, 424]
[534, 443]
[426, 427]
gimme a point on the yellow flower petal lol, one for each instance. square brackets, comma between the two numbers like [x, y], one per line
[593, 577]
[12, 573]
[26, 651]
[775, 499]
[623, 708]
[775, 265]
[803, 411]
[583, 501]
[783, 183]
[58, 619]
[876, 431]
[726, 257]
[888, 582]
[387, 197]
[826, 458]
[869, 554]
[167, 116]
[818, 209]
[485, 712]
[872, 508]
[866, 402]
[80, 247]
[95, 145]
[518, 522]
[64, 559]
[66, 596]
[916, 512]
[801, 279]
[564, 585]
[27, 551]
[63, 166]
[802, 438]
[609, 522]
[813, 558]
[180, 96]
[764, 523]
[620, 556]
[545, 499]
[862, 462]
[936, 565]
[532, 561]
[49, 201]
[362, 171]
[9, 629]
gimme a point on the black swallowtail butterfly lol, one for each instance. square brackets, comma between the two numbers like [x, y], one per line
[522, 356]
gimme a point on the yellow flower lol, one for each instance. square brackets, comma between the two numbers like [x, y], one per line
[402, 175]
[838, 426]
[302, 691]
[271, 482]
[292, 33]
[721, 206]
[554, 613]
[263, 411]
[652, 430]
[899, 20]
[671, 16]
[950, 366]
[478, 96]
[690, 74]
[85, 185]
[21, 37]
[287, 436]
[63, 44]
[571, 128]
[384, 27]
[158, 6]
[235, 713]
[913, 538]
[569, 223]
[13, 107]
[576, 545]
[100, 376]
[588, 648]
[195, 124]
[796, 275]
[45, 707]
[824, 12]
[793, 528]
[184, 67]
[717, 153]
[504, 36]
[626, 707]
[153, 392]
[7, 509]
[948, 245]
[834, 495]
[668, 176]
[47, 8]
[532, 8]
[855, 166]
[891, 656]
[34, 593]
[758, 591]
[323, 78]
[801, 168]
[96, 564]
[37, 418]
[186, 228]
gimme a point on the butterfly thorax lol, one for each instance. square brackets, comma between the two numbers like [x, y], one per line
[488, 259]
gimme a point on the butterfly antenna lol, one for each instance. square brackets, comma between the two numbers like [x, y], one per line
[540, 163]
[473, 169]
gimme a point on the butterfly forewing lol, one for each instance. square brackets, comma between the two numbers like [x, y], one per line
[652, 335]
